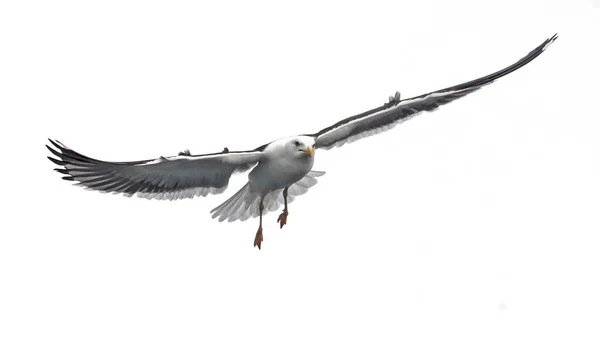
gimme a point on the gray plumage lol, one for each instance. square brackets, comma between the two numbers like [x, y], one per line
[396, 111]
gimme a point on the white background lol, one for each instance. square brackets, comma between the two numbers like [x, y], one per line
[477, 221]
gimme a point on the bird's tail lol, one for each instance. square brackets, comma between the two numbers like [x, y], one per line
[238, 206]
[244, 204]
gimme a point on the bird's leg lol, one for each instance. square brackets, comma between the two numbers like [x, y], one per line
[259, 236]
[283, 216]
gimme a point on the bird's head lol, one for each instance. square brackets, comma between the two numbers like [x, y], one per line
[301, 146]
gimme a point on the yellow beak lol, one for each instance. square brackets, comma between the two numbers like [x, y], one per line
[308, 151]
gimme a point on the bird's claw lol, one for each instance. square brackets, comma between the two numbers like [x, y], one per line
[282, 219]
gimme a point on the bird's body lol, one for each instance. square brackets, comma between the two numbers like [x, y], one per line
[282, 165]
[280, 170]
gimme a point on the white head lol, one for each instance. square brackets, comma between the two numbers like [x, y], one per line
[300, 146]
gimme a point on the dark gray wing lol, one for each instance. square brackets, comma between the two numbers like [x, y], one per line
[396, 111]
[177, 177]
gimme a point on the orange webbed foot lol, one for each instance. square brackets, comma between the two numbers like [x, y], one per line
[282, 219]
[258, 239]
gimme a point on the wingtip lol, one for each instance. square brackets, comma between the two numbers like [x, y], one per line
[54, 143]
[62, 171]
[550, 41]
[56, 161]
[58, 144]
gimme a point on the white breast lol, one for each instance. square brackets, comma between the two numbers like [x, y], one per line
[279, 172]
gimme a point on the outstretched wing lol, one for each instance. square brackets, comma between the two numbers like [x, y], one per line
[177, 177]
[396, 111]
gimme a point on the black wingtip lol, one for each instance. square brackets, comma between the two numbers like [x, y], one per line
[57, 144]
[55, 152]
[56, 161]
[549, 41]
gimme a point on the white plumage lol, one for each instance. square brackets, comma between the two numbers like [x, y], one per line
[244, 204]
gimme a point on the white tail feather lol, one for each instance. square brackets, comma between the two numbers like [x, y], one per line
[244, 204]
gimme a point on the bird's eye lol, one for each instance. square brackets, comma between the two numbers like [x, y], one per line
[297, 143]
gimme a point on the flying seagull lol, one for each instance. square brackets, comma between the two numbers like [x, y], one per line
[281, 169]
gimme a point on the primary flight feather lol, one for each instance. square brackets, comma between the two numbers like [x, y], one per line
[281, 170]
